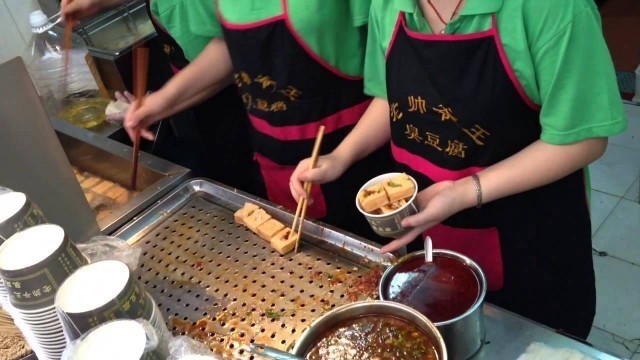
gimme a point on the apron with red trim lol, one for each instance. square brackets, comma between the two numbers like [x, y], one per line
[289, 91]
[456, 108]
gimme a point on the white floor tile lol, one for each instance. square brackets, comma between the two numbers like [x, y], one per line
[611, 343]
[601, 206]
[619, 235]
[618, 297]
[616, 170]
[11, 43]
[634, 191]
[631, 136]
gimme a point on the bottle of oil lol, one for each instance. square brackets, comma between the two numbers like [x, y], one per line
[70, 95]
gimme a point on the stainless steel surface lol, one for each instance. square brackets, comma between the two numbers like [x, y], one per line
[198, 263]
[465, 334]
[119, 29]
[509, 335]
[272, 353]
[363, 308]
[111, 161]
[32, 158]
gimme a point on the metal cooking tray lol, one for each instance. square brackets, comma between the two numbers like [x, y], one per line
[198, 263]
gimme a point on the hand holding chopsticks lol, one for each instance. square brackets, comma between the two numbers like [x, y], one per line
[301, 211]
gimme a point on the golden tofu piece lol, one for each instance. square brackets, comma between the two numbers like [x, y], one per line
[373, 198]
[399, 187]
[244, 212]
[124, 198]
[89, 182]
[257, 218]
[284, 241]
[269, 229]
[103, 187]
[391, 207]
[116, 191]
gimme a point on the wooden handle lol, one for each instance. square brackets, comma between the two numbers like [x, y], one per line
[96, 76]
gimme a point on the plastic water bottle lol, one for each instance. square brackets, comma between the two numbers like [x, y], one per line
[63, 92]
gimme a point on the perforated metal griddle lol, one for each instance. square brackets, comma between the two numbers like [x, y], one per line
[199, 264]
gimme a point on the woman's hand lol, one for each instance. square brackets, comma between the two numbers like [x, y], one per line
[140, 117]
[328, 168]
[73, 10]
[437, 203]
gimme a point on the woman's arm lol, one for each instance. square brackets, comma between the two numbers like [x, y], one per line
[209, 73]
[536, 165]
[369, 134]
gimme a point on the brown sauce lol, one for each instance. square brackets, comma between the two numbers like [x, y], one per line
[442, 290]
[374, 337]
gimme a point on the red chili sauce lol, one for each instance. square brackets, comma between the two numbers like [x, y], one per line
[441, 290]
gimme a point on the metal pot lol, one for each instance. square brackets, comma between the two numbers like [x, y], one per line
[340, 314]
[463, 335]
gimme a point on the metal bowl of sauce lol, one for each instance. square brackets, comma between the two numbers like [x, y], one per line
[371, 330]
[449, 291]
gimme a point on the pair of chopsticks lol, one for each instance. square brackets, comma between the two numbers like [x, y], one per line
[140, 75]
[301, 211]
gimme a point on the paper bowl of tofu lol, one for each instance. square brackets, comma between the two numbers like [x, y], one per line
[387, 199]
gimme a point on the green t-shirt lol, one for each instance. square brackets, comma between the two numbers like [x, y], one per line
[333, 29]
[555, 47]
[177, 17]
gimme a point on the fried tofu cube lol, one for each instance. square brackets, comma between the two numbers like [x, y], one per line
[269, 229]
[257, 218]
[244, 212]
[284, 241]
[103, 187]
[391, 207]
[115, 192]
[373, 198]
[89, 182]
[399, 187]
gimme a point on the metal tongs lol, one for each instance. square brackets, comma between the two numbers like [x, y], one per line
[272, 353]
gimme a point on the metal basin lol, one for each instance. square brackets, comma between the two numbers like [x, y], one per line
[363, 308]
[464, 334]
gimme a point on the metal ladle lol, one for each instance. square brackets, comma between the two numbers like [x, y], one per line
[428, 250]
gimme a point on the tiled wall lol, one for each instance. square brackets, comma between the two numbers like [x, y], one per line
[15, 31]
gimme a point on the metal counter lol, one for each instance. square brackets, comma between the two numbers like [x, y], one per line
[112, 161]
[199, 264]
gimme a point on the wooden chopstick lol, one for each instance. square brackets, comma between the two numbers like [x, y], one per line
[66, 44]
[140, 74]
[303, 201]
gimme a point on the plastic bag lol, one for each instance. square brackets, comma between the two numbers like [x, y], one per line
[110, 248]
[106, 341]
[185, 348]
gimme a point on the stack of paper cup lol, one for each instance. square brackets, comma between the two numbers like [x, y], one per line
[16, 213]
[33, 264]
[104, 291]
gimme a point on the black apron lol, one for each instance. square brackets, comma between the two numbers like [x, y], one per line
[457, 108]
[200, 138]
[289, 92]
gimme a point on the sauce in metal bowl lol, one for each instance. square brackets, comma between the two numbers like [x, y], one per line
[441, 290]
[374, 337]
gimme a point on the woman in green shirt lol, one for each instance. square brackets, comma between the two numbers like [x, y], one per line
[298, 65]
[495, 108]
